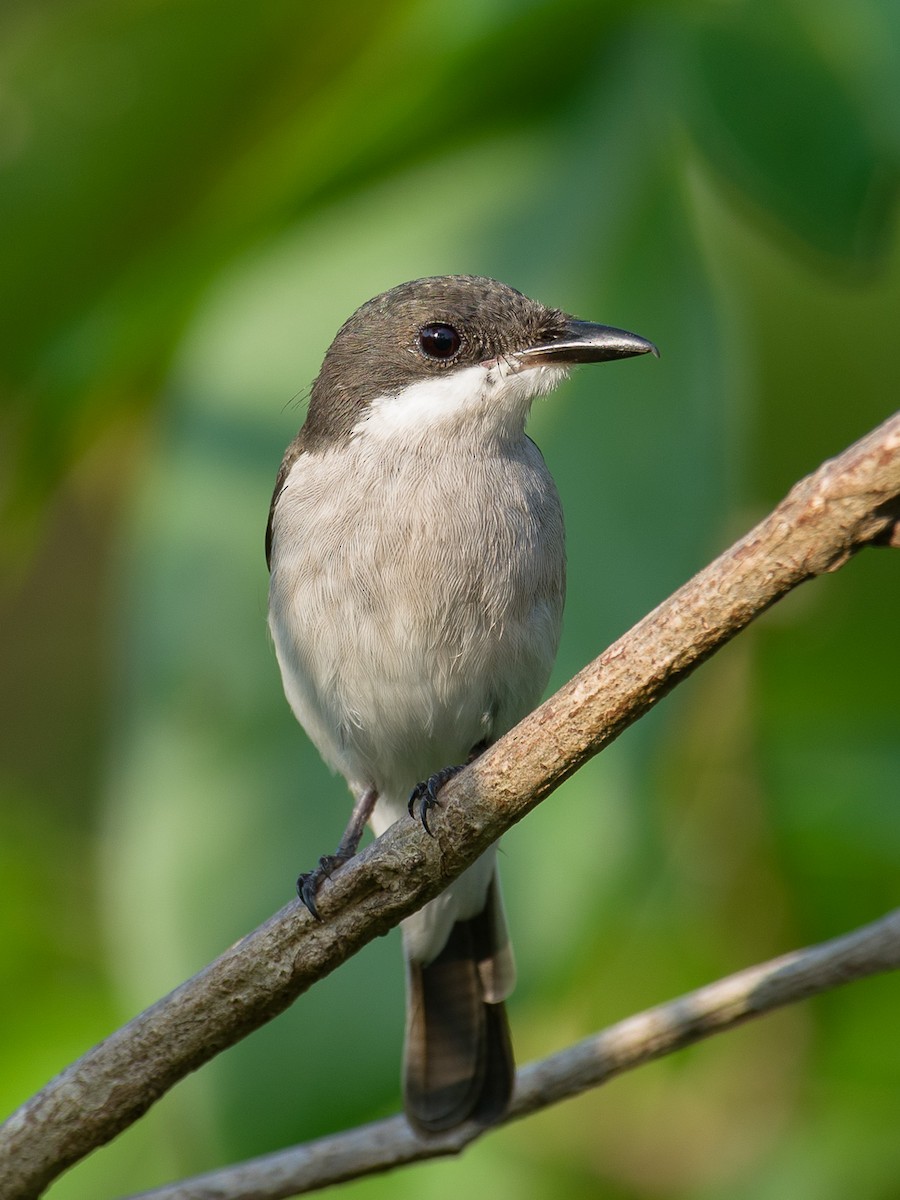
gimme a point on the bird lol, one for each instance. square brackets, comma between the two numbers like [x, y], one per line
[417, 562]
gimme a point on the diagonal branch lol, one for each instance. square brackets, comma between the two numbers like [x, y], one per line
[716, 1008]
[849, 502]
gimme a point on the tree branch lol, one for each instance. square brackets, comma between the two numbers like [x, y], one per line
[849, 502]
[595, 1060]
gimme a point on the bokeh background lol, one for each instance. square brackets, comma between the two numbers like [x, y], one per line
[193, 195]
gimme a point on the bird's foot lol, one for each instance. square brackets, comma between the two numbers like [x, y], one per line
[309, 882]
[425, 794]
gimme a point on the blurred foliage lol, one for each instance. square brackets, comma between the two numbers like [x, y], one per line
[193, 195]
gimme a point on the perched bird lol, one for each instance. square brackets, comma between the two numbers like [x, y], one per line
[417, 559]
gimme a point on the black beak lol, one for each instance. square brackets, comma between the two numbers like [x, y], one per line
[582, 342]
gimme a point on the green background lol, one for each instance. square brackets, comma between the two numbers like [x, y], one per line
[193, 195]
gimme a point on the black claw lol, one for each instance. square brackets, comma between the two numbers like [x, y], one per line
[428, 801]
[309, 882]
[307, 886]
[420, 795]
[414, 797]
[425, 794]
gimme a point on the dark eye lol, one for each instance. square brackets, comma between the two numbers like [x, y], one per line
[439, 341]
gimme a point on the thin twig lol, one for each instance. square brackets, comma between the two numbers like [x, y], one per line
[716, 1008]
[849, 502]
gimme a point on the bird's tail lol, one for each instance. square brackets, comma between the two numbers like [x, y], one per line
[458, 1062]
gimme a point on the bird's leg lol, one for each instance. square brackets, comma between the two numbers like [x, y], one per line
[425, 794]
[309, 882]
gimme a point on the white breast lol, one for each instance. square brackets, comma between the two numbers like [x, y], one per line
[416, 598]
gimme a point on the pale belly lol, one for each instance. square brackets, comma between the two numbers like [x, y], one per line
[420, 619]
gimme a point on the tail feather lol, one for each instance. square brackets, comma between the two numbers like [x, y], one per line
[459, 1063]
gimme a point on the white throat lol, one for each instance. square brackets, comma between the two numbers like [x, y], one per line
[491, 398]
